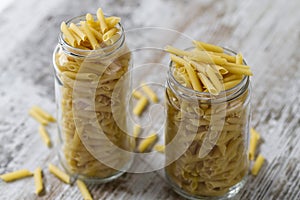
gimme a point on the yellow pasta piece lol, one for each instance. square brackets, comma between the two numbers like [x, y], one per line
[253, 143]
[112, 21]
[214, 79]
[89, 17]
[147, 142]
[208, 84]
[106, 36]
[38, 117]
[89, 35]
[97, 34]
[77, 30]
[233, 68]
[232, 77]
[138, 95]
[208, 47]
[150, 93]
[84, 190]
[177, 59]
[229, 58]
[239, 59]
[176, 51]
[254, 133]
[241, 66]
[203, 56]
[159, 148]
[43, 113]
[45, 136]
[193, 77]
[140, 106]
[257, 165]
[101, 18]
[113, 39]
[136, 130]
[231, 84]
[12, 176]
[222, 70]
[199, 67]
[38, 180]
[59, 174]
[68, 35]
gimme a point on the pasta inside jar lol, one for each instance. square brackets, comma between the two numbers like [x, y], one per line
[92, 56]
[212, 128]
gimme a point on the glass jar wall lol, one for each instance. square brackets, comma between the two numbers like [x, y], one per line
[91, 117]
[208, 135]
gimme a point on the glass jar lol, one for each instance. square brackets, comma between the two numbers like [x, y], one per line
[207, 139]
[91, 117]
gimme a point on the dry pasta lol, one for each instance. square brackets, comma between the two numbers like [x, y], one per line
[95, 71]
[216, 158]
[38, 180]
[136, 130]
[208, 47]
[159, 148]
[257, 165]
[137, 94]
[84, 191]
[44, 134]
[38, 117]
[147, 142]
[43, 113]
[101, 19]
[150, 93]
[140, 106]
[59, 174]
[16, 175]
[211, 64]
[255, 137]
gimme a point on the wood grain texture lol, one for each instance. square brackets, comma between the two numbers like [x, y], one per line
[267, 32]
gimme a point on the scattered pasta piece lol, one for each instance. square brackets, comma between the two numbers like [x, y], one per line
[254, 133]
[83, 189]
[160, 148]
[147, 142]
[43, 113]
[138, 95]
[140, 106]
[12, 176]
[253, 143]
[257, 164]
[38, 117]
[59, 174]
[38, 180]
[150, 93]
[45, 135]
[136, 130]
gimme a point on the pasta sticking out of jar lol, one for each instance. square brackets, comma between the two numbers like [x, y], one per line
[90, 59]
[207, 127]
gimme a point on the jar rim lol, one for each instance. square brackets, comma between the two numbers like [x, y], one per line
[84, 52]
[233, 92]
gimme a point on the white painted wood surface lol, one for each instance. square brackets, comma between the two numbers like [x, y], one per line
[267, 32]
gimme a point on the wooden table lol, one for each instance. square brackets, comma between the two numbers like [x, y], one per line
[267, 32]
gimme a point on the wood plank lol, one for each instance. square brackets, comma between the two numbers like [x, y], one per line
[266, 32]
